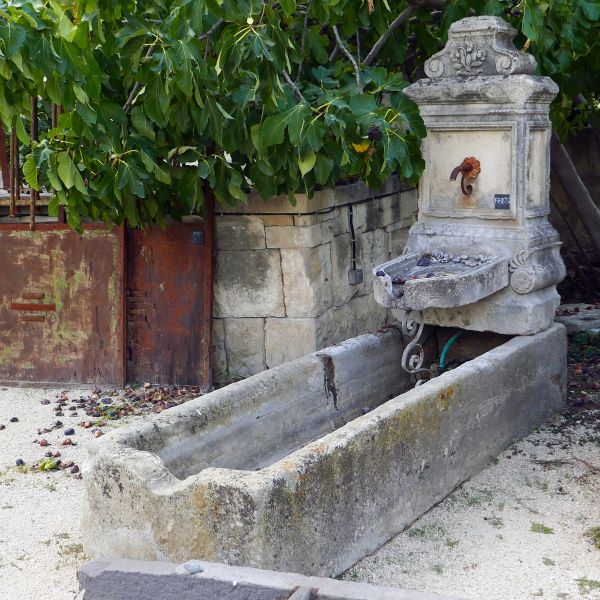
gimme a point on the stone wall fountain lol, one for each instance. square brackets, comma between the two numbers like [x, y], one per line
[315, 463]
[482, 255]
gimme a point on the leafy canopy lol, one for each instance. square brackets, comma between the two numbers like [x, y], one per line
[161, 98]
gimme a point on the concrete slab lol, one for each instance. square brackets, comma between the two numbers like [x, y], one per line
[579, 317]
[152, 580]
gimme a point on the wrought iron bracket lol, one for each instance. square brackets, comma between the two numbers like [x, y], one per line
[413, 356]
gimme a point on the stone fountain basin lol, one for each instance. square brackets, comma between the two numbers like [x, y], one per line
[284, 471]
[458, 284]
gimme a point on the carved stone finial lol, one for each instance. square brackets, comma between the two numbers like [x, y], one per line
[480, 46]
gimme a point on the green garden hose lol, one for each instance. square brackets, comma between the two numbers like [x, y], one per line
[446, 348]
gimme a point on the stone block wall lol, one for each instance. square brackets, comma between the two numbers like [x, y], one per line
[281, 284]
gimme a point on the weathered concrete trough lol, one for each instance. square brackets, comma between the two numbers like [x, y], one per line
[284, 471]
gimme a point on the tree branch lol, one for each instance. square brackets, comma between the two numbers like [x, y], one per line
[302, 43]
[431, 4]
[138, 84]
[575, 189]
[294, 87]
[345, 50]
[211, 30]
[385, 36]
[334, 53]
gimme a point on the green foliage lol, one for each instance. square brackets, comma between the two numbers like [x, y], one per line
[163, 98]
[48, 464]
[564, 37]
[541, 528]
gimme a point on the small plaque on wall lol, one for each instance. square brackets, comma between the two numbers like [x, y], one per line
[502, 201]
[198, 238]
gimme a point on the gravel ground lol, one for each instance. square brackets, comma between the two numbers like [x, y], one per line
[528, 526]
[515, 531]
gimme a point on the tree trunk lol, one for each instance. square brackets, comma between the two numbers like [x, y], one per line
[578, 194]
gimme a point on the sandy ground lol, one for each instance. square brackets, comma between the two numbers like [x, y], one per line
[515, 531]
[40, 539]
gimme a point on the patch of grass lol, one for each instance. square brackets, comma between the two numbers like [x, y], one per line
[69, 553]
[496, 521]
[353, 575]
[427, 532]
[541, 528]
[593, 533]
[451, 543]
[587, 585]
[548, 562]
[480, 497]
[439, 569]
[62, 536]
[71, 550]
[540, 592]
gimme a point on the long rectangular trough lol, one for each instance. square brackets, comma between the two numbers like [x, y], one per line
[312, 465]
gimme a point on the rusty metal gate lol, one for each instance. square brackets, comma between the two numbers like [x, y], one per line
[169, 304]
[106, 307]
[61, 304]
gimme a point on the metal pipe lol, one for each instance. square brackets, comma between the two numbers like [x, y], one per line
[12, 175]
[34, 136]
[4, 159]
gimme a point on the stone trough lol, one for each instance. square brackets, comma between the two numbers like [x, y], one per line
[310, 466]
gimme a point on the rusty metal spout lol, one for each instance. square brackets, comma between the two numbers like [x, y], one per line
[455, 173]
[469, 167]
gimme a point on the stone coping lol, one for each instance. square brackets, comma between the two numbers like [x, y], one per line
[322, 200]
[514, 90]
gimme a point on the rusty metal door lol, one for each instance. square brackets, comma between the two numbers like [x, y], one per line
[168, 297]
[61, 304]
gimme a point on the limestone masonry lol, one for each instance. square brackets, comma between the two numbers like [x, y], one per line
[282, 286]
